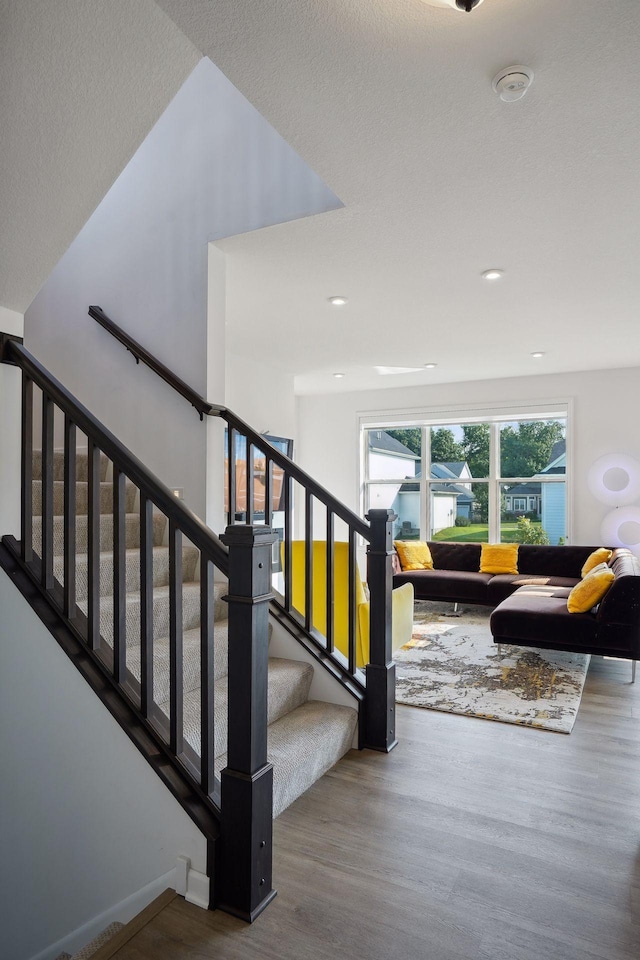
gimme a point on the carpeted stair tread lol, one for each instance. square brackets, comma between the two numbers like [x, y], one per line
[303, 745]
[82, 497]
[289, 685]
[132, 532]
[220, 607]
[161, 609]
[82, 461]
[190, 556]
[190, 660]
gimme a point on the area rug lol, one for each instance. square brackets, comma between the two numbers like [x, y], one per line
[452, 664]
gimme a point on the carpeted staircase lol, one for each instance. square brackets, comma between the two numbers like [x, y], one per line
[305, 737]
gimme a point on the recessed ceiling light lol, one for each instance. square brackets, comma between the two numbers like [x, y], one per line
[493, 274]
[430, 366]
[337, 301]
[538, 354]
[338, 376]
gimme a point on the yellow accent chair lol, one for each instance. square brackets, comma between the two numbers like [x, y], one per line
[402, 599]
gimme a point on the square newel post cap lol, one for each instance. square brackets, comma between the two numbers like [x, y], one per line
[381, 516]
[243, 535]
[381, 530]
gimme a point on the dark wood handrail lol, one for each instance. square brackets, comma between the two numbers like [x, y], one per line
[203, 406]
[141, 353]
[193, 528]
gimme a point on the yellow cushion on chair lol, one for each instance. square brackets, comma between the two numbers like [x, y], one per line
[590, 591]
[499, 558]
[414, 554]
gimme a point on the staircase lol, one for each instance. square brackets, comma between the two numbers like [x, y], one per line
[170, 624]
[305, 738]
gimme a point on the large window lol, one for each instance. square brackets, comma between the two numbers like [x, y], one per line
[496, 480]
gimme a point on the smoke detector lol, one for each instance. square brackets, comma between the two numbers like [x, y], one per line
[464, 5]
[512, 83]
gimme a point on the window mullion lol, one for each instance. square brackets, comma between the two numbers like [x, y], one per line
[494, 483]
[425, 493]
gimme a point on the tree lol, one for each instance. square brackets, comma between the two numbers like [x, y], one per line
[476, 438]
[410, 436]
[444, 448]
[526, 450]
[528, 532]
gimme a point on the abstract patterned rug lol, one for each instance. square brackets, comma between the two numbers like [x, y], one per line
[452, 664]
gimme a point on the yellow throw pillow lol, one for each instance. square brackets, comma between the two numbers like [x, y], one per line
[602, 555]
[499, 558]
[590, 591]
[414, 554]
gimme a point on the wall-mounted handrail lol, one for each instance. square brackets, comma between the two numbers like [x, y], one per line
[142, 354]
[215, 410]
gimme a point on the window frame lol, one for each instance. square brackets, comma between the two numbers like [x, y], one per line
[559, 409]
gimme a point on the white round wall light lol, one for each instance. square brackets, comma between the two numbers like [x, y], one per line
[621, 528]
[615, 479]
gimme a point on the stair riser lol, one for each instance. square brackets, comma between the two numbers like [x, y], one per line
[132, 570]
[132, 532]
[82, 498]
[82, 462]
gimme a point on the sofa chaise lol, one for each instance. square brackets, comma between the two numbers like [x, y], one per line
[531, 606]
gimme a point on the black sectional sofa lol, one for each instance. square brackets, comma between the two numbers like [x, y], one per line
[531, 606]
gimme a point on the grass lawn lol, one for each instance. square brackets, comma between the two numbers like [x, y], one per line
[479, 533]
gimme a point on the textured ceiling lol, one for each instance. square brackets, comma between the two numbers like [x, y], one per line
[83, 82]
[390, 102]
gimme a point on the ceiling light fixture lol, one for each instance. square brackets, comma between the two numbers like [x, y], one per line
[493, 274]
[338, 376]
[430, 366]
[538, 354]
[390, 371]
[463, 5]
[337, 301]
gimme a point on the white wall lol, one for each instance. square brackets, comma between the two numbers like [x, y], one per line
[603, 419]
[85, 821]
[211, 167]
[262, 395]
[216, 385]
[10, 425]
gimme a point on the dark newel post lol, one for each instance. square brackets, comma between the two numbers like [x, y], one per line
[380, 705]
[247, 780]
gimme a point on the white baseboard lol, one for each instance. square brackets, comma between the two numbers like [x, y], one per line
[190, 884]
[124, 911]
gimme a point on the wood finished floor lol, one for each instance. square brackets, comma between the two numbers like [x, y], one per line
[472, 840]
